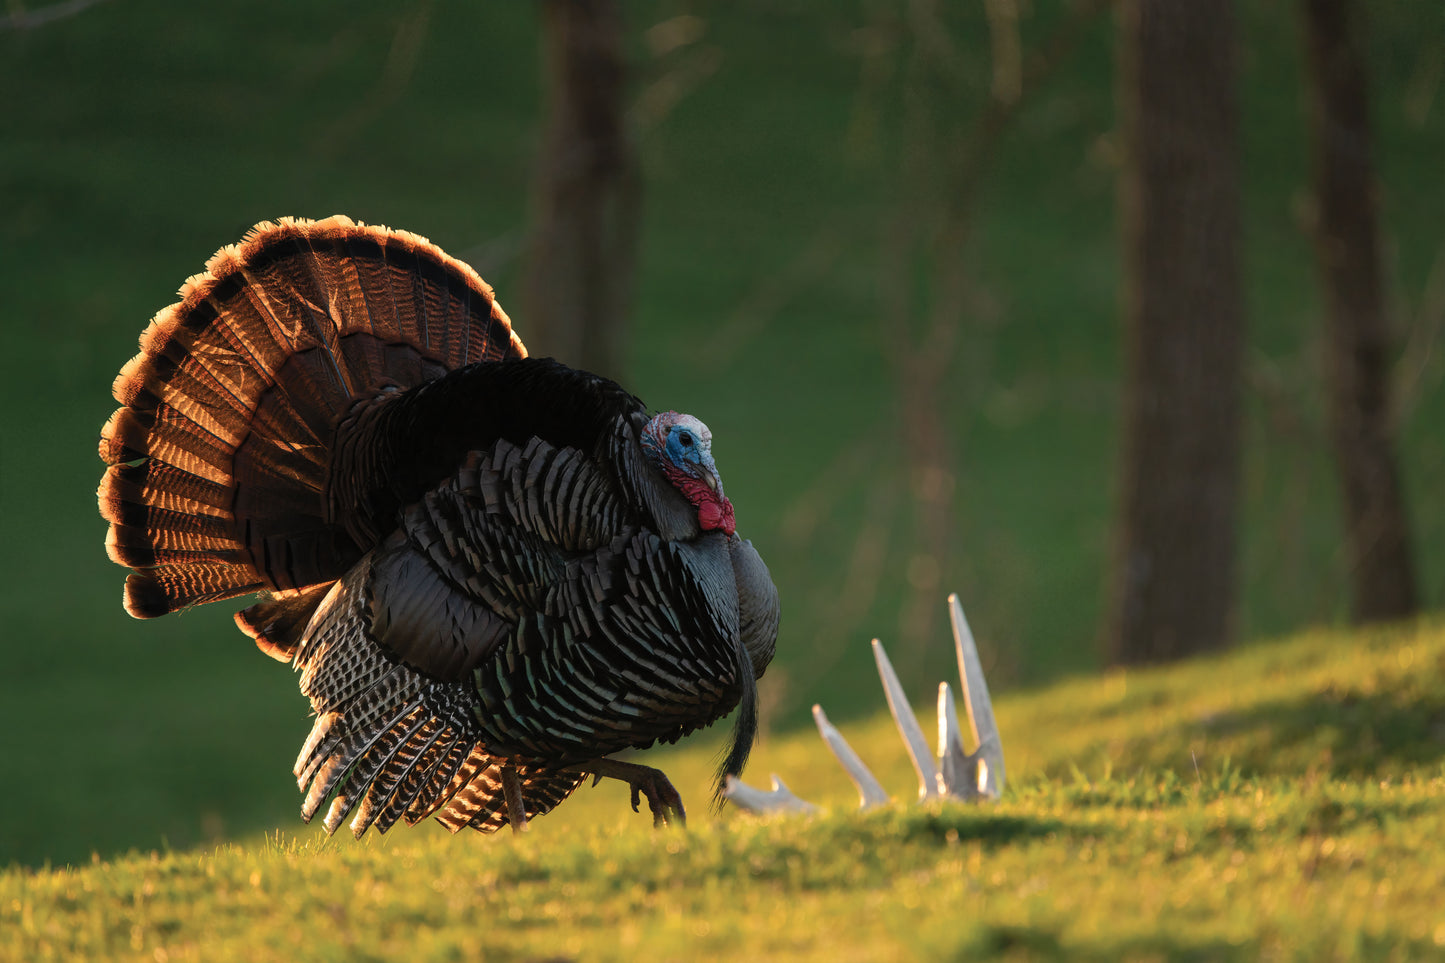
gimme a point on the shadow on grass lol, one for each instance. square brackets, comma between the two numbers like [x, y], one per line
[840, 851]
[1041, 943]
[1349, 735]
[943, 824]
[1337, 732]
[1044, 943]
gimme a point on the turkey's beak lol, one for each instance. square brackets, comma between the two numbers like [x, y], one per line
[713, 481]
[708, 474]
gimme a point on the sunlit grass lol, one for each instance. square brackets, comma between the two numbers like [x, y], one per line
[1284, 802]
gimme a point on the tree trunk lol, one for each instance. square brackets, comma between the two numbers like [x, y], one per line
[1347, 250]
[1173, 590]
[582, 255]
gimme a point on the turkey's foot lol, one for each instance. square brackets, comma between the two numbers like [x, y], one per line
[664, 800]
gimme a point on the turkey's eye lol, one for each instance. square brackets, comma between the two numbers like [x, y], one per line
[684, 438]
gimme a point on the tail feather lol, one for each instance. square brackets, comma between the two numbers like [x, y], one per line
[191, 538]
[219, 452]
[277, 624]
[156, 484]
[460, 803]
[133, 434]
[481, 803]
[154, 592]
[402, 270]
[196, 394]
[441, 781]
[488, 802]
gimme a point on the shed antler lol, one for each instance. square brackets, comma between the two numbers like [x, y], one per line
[954, 775]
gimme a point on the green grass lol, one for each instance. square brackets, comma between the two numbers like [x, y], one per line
[1284, 802]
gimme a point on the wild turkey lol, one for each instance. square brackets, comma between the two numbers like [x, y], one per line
[492, 572]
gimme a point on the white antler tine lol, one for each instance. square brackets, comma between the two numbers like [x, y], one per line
[954, 765]
[908, 726]
[869, 791]
[984, 729]
[779, 800]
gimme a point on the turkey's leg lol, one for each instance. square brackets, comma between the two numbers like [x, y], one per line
[664, 801]
[512, 792]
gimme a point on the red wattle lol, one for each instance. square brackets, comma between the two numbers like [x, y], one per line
[713, 515]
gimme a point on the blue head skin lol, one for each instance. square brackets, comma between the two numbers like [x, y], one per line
[681, 447]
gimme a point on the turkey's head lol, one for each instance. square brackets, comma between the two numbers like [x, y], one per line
[680, 447]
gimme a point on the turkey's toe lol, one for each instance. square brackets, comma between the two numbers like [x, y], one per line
[663, 799]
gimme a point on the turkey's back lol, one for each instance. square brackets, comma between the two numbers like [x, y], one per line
[219, 454]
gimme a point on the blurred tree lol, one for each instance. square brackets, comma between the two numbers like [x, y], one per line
[932, 120]
[1358, 343]
[586, 198]
[1173, 584]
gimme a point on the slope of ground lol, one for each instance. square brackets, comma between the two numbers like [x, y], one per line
[1284, 802]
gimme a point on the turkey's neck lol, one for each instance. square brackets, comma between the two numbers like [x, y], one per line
[672, 516]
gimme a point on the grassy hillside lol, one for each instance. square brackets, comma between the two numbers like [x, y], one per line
[138, 137]
[1284, 803]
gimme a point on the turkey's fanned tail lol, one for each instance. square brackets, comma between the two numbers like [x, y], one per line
[219, 453]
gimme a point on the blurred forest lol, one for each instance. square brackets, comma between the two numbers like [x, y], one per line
[880, 256]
